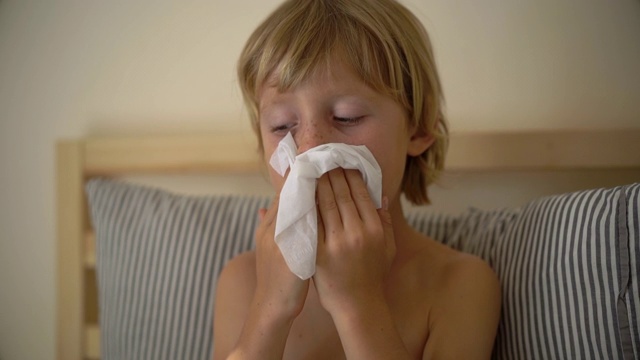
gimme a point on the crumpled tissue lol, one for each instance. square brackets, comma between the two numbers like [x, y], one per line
[296, 223]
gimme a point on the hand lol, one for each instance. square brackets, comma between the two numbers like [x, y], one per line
[279, 292]
[356, 245]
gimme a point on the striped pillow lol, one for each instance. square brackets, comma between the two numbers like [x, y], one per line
[439, 226]
[568, 266]
[159, 255]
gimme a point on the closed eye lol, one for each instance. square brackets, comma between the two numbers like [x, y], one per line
[348, 120]
[281, 128]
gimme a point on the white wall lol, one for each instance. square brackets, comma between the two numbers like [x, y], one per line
[72, 68]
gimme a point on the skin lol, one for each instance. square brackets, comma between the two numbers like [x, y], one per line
[381, 289]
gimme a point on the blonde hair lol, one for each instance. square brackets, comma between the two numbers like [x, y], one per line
[382, 41]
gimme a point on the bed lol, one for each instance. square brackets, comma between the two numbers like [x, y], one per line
[81, 160]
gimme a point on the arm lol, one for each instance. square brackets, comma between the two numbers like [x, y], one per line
[234, 292]
[464, 322]
[356, 247]
[277, 297]
[263, 336]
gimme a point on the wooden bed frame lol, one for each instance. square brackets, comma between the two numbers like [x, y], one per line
[78, 331]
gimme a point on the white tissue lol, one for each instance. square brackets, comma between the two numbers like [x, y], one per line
[296, 222]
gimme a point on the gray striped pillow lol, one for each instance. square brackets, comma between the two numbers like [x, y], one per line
[439, 226]
[568, 266]
[159, 255]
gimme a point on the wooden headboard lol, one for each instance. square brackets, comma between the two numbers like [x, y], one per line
[78, 330]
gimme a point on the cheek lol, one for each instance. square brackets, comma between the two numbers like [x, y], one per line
[276, 180]
[392, 162]
[392, 174]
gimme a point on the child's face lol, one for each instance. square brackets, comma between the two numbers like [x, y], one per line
[337, 107]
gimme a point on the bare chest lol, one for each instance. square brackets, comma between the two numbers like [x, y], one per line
[314, 335]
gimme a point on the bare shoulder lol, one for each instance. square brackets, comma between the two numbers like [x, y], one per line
[233, 297]
[239, 273]
[464, 314]
[458, 272]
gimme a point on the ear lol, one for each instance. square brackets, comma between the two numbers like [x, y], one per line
[419, 143]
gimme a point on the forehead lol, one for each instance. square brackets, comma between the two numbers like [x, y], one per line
[288, 73]
[334, 78]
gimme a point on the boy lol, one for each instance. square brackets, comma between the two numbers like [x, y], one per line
[361, 73]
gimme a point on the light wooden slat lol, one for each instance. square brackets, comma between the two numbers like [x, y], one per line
[236, 152]
[92, 342]
[69, 272]
[90, 250]
[545, 150]
[91, 305]
[223, 152]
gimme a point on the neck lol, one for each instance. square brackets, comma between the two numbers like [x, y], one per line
[401, 228]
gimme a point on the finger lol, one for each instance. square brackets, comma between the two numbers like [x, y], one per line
[327, 206]
[361, 197]
[321, 241]
[321, 232]
[387, 225]
[269, 216]
[321, 253]
[344, 200]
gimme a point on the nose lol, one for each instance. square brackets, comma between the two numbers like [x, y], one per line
[311, 135]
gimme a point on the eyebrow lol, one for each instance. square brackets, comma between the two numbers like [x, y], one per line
[267, 106]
